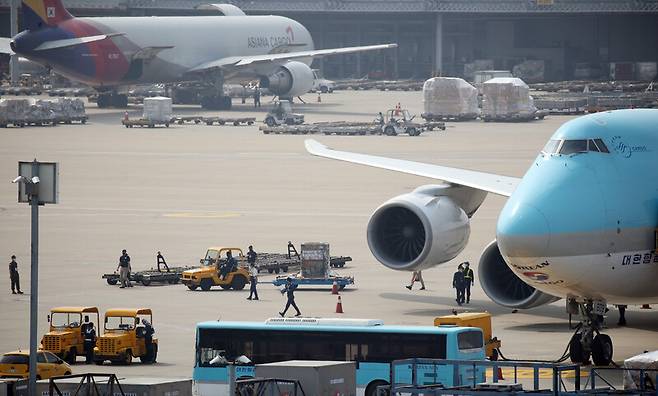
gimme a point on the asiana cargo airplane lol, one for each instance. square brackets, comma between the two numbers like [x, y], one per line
[113, 53]
[581, 223]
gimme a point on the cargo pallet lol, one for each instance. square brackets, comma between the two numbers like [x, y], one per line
[142, 122]
[148, 277]
[275, 263]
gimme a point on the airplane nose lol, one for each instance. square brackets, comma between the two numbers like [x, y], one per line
[523, 231]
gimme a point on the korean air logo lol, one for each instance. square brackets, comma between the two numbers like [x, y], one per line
[536, 276]
[290, 33]
[50, 12]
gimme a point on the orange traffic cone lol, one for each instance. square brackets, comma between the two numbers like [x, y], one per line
[500, 374]
[334, 288]
[339, 306]
[319, 97]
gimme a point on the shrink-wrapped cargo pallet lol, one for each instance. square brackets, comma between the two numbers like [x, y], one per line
[507, 99]
[449, 97]
[157, 109]
[13, 111]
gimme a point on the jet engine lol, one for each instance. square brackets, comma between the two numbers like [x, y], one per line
[290, 80]
[502, 285]
[424, 228]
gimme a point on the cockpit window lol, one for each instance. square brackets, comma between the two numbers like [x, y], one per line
[602, 147]
[573, 146]
[591, 146]
[552, 146]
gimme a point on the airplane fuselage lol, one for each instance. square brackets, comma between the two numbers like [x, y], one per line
[178, 44]
[583, 224]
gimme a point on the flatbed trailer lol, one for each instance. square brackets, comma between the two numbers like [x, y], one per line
[142, 122]
[341, 281]
[147, 277]
[341, 128]
[229, 120]
[431, 118]
[275, 263]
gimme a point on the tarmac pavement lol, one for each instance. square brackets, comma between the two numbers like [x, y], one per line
[184, 188]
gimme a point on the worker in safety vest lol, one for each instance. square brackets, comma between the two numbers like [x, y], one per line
[469, 279]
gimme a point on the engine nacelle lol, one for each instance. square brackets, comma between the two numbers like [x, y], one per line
[290, 80]
[502, 285]
[424, 228]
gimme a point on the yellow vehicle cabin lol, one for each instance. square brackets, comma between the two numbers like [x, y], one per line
[481, 320]
[65, 337]
[16, 365]
[126, 335]
[214, 271]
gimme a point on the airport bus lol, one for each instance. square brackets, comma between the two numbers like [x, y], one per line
[369, 343]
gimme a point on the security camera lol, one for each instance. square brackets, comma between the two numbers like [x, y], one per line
[16, 180]
[36, 180]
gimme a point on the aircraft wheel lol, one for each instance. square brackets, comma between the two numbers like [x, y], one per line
[577, 351]
[602, 350]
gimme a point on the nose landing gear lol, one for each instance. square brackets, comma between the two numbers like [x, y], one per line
[588, 341]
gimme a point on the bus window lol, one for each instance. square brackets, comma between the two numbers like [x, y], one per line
[469, 340]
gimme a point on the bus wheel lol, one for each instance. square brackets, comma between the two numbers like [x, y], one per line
[371, 389]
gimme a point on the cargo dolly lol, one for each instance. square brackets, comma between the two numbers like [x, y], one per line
[236, 121]
[147, 277]
[143, 122]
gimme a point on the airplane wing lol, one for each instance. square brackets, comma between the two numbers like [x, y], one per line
[236, 61]
[4, 46]
[496, 184]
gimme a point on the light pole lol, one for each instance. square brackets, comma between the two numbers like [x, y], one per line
[31, 189]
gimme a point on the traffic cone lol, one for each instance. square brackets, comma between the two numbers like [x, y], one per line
[339, 306]
[334, 288]
[319, 97]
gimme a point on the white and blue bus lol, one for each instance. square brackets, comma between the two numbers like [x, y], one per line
[369, 343]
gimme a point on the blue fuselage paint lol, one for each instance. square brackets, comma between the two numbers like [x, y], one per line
[586, 221]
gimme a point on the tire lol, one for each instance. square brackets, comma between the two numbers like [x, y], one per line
[323, 89]
[192, 287]
[277, 270]
[225, 287]
[270, 122]
[146, 281]
[284, 269]
[206, 284]
[236, 123]
[576, 351]
[412, 131]
[371, 389]
[150, 359]
[238, 282]
[112, 281]
[390, 131]
[341, 287]
[67, 373]
[127, 358]
[38, 377]
[98, 362]
[270, 270]
[71, 356]
[602, 350]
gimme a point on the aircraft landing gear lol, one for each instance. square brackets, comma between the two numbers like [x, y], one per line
[111, 99]
[588, 341]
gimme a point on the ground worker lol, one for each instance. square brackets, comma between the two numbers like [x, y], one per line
[379, 119]
[124, 269]
[417, 276]
[14, 277]
[257, 97]
[253, 273]
[289, 289]
[291, 249]
[148, 339]
[622, 315]
[229, 266]
[398, 109]
[458, 284]
[89, 335]
[469, 280]
[161, 261]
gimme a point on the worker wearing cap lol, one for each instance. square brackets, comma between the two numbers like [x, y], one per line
[469, 279]
[14, 277]
[124, 269]
[253, 273]
[148, 340]
[289, 289]
[89, 334]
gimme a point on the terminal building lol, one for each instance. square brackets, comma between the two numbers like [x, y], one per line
[571, 38]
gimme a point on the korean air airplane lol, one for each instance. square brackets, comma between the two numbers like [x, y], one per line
[113, 53]
[583, 218]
